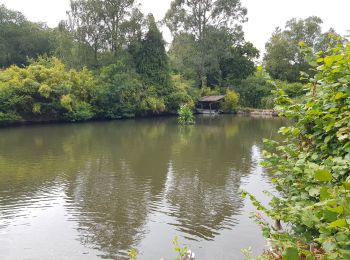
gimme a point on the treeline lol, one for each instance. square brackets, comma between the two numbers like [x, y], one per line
[108, 60]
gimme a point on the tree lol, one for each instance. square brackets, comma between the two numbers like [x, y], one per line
[46, 91]
[254, 90]
[283, 59]
[280, 56]
[310, 164]
[195, 16]
[205, 20]
[73, 53]
[120, 92]
[238, 64]
[152, 61]
[21, 39]
[329, 39]
[227, 60]
[86, 24]
[183, 56]
[231, 101]
[116, 16]
[105, 25]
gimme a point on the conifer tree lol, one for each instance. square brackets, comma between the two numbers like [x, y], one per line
[152, 60]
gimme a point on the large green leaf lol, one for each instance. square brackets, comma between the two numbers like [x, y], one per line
[338, 223]
[291, 253]
[323, 175]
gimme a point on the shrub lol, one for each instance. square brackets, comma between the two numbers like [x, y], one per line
[45, 90]
[253, 90]
[311, 166]
[182, 93]
[231, 101]
[185, 115]
[293, 90]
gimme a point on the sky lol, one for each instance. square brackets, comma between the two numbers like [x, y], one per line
[263, 15]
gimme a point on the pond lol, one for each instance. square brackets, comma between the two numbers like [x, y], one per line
[95, 190]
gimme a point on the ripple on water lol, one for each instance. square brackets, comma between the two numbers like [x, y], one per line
[113, 186]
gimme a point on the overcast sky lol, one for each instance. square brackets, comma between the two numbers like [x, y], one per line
[264, 15]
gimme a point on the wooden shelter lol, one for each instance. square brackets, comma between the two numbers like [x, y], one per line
[210, 104]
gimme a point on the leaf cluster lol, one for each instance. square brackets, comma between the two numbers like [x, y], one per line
[185, 115]
[311, 166]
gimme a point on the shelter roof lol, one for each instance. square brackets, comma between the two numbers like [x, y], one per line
[212, 98]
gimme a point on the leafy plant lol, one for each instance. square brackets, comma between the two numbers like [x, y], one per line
[181, 250]
[254, 90]
[311, 166]
[46, 90]
[185, 115]
[132, 254]
[231, 101]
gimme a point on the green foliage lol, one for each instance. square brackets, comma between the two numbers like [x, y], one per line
[255, 91]
[284, 59]
[183, 56]
[104, 25]
[120, 92]
[183, 93]
[293, 90]
[182, 251]
[132, 254]
[45, 90]
[153, 104]
[185, 115]
[21, 39]
[74, 54]
[231, 101]
[311, 166]
[209, 43]
[183, 16]
[123, 93]
[222, 58]
[238, 64]
[208, 91]
[152, 61]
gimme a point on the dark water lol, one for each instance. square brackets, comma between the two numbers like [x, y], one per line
[95, 190]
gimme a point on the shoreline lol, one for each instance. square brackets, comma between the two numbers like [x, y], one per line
[242, 112]
[258, 112]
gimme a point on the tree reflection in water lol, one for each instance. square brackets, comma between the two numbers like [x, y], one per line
[113, 176]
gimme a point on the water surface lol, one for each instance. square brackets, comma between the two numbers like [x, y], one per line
[95, 190]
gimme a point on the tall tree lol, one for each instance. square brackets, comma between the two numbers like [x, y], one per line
[105, 25]
[21, 39]
[115, 15]
[215, 27]
[284, 59]
[222, 59]
[195, 16]
[152, 60]
[86, 24]
[280, 58]
[73, 53]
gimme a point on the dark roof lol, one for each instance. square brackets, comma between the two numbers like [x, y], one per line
[212, 98]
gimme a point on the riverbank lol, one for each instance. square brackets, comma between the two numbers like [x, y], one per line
[251, 112]
[258, 112]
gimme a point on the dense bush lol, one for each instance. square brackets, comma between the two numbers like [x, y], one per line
[183, 92]
[257, 91]
[185, 115]
[311, 167]
[120, 91]
[45, 90]
[253, 90]
[293, 90]
[231, 101]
